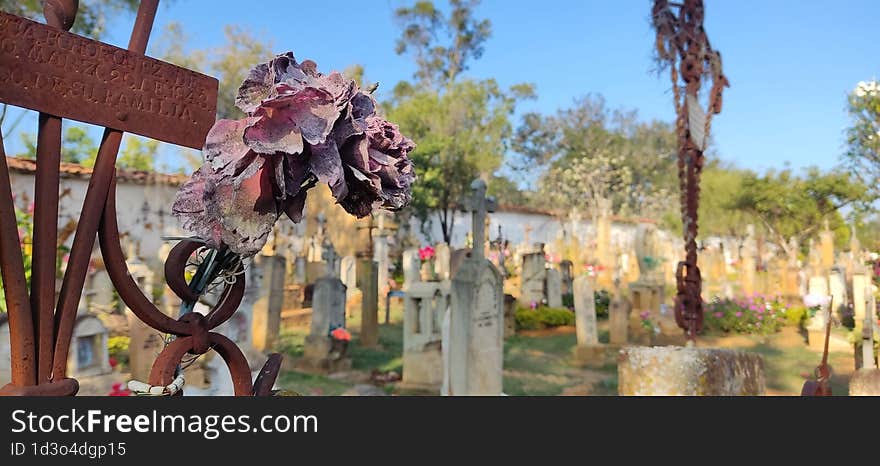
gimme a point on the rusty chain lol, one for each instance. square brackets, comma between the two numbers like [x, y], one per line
[683, 46]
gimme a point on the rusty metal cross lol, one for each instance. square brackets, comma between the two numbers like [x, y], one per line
[44, 67]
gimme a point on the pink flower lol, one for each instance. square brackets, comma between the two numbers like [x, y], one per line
[719, 314]
[739, 313]
[645, 314]
[426, 253]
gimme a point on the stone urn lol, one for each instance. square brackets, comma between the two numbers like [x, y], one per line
[426, 272]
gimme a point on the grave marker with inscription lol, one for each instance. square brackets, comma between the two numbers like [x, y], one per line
[69, 76]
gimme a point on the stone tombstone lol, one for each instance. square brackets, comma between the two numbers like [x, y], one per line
[554, 288]
[89, 352]
[565, 268]
[442, 261]
[425, 304]
[648, 254]
[300, 275]
[328, 313]
[348, 275]
[861, 290]
[837, 287]
[266, 314]
[585, 312]
[367, 281]
[411, 267]
[618, 319]
[534, 273]
[476, 330]
[509, 315]
[818, 286]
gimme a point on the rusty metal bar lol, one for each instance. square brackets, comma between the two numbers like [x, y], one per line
[59, 14]
[21, 324]
[43, 264]
[96, 196]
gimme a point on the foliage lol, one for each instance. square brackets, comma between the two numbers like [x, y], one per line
[442, 45]
[118, 348]
[756, 314]
[798, 316]
[719, 186]
[603, 301]
[76, 145]
[24, 220]
[788, 205]
[542, 317]
[462, 132]
[600, 160]
[863, 136]
[91, 18]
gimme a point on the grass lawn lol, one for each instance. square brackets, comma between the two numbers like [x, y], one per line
[541, 363]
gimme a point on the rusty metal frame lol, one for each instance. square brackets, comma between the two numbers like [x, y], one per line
[41, 329]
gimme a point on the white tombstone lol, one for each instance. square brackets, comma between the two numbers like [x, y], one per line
[554, 288]
[861, 290]
[442, 261]
[532, 279]
[476, 329]
[585, 312]
[837, 288]
[411, 267]
[348, 275]
[424, 307]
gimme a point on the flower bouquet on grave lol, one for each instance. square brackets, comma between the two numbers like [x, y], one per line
[301, 128]
[428, 271]
[340, 338]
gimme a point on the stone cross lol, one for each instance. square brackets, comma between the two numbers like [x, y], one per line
[369, 227]
[478, 204]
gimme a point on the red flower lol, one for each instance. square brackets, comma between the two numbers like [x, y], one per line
[340, 333]
[119, 389]
[426, 253]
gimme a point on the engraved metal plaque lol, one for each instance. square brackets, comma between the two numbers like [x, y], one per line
[69, 76]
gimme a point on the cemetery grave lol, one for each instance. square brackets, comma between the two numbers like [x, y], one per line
[308, 251]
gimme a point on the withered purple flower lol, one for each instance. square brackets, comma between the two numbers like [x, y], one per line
[302, 128]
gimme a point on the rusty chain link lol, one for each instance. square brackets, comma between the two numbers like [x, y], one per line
[683, 46]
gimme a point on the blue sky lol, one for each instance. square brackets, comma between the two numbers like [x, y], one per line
[790, 63]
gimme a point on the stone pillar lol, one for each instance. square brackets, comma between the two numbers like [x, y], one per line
[348, 275]
[532, 279]
[424, 306]
[837, 288]
[588, 348]
[411, 267]
[679, 371]
[442, 261]
[476, 330]
[380, 255]
[826, 248]
[861, 288]
[328, 313]
[367, 277]
[266, 317]
[554, 288]
[618, 317]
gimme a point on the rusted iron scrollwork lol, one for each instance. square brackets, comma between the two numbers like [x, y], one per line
[682, 46]
[41, 329]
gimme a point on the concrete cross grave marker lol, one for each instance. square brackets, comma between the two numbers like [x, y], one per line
[63, 75]
[474, 356]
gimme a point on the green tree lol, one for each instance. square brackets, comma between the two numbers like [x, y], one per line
[91, 18]
[595, 159]
[863, 136]
[789, 206]
[720, 185]
[462, 126]
[442, 45]
[76, 145]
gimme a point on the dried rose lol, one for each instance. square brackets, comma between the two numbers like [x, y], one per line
[303, 127]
